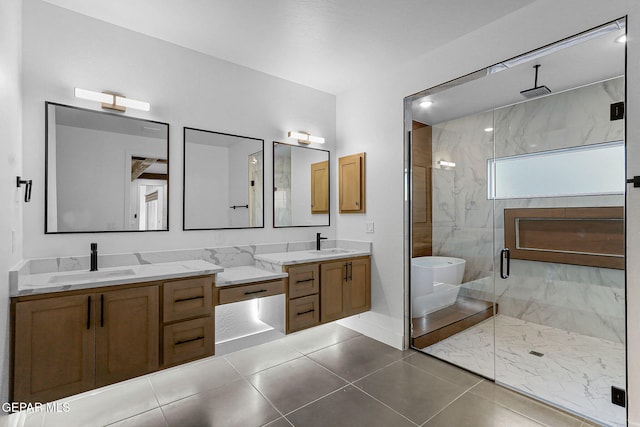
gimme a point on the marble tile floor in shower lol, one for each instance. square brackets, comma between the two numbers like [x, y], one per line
[575, 371]
[325, 376]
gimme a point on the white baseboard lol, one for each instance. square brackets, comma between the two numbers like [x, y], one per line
[360, 324]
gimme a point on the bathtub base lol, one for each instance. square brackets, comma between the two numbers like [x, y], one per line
[443, 295]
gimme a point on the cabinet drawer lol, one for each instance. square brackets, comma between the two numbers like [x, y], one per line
[245, 292]
[187, 298]
[188, 340]
[303, 312]
[303, 280]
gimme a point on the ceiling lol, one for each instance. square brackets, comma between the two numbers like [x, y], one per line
[586, 62]
[325, 44]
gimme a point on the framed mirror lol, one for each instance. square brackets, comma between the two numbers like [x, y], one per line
[300, 186]
[223, 181]
[104, 172]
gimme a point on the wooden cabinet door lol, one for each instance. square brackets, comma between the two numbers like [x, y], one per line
[54, 348]
[127, 343]
[320, 187]
[359, 286]
[332, 291]
[351, 184]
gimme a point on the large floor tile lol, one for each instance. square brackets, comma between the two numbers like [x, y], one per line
[322, 336]
[153, 418]
[471, 410]
[443, 370]
[295, 383]
[280, 422]
[348, 407]
[414, 393]
[186, 380]
[523, 405]
[261, 357]
[105, 406]
[237, 404]
[357, 357]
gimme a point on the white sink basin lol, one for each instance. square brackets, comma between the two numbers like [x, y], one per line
[331, 251]
[89, 275]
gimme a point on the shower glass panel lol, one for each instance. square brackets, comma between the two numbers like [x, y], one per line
[515, 223]
[560, 328]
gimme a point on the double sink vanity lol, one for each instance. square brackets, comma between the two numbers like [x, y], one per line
[76, 330]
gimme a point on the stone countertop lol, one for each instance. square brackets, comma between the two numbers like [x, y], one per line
[32, 284]
[246, 274]
[302, 257]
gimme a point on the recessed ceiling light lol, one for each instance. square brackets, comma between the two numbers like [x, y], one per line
[426, 104]
[488, 129]
[622, 39]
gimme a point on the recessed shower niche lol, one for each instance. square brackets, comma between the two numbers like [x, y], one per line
[528, 189]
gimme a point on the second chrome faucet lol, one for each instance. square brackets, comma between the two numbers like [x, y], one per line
[94, 257]
[318, 239]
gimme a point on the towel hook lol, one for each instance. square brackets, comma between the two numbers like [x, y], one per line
[27, 190]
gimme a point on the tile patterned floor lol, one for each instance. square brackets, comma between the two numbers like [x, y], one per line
[576, 371]
[326, 376]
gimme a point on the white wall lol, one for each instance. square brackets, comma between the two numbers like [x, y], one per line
[370, 118]
[63, 50]
[10, 159]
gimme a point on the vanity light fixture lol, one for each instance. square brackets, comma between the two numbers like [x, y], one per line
[445, 164]
[426, 104]
[305, 138]
[488, 129]
[111, 101]
[622, 39]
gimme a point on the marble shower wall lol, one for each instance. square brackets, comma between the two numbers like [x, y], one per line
[586, 300]
[282, 185]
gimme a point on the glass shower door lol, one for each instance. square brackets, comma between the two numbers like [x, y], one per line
[557, 183]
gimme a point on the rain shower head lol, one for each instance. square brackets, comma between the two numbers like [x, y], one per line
[536, 90]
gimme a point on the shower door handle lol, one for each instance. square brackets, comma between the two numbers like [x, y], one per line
[505, 254]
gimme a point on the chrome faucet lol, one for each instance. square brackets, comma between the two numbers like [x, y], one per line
[318, 238]
[94, 257]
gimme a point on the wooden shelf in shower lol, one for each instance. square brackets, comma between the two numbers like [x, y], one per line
[590, 236]
[446, 322]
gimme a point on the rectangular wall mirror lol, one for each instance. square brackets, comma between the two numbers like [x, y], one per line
[104, 172]
[300, 186]
[223, 181]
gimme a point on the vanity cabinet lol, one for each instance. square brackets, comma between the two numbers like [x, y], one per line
[65, 345]
[69, 342]
[345, 288]
[327, 291]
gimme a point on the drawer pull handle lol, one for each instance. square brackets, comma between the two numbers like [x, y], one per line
[187, 299]
[256, 292]
[305, 280]
[190, 340]
[300, 313]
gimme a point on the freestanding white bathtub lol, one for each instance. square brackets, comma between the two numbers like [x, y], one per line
[435, 283]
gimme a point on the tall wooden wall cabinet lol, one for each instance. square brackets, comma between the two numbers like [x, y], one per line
[351, 183]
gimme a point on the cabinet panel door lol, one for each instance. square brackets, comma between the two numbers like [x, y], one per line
[332, 301]
[188, 340]
[127, 343]
[303, 280]
[54, 348]
[303, 313]
[320, 188]
[359, 286]
[187, 298]
[351, 184]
